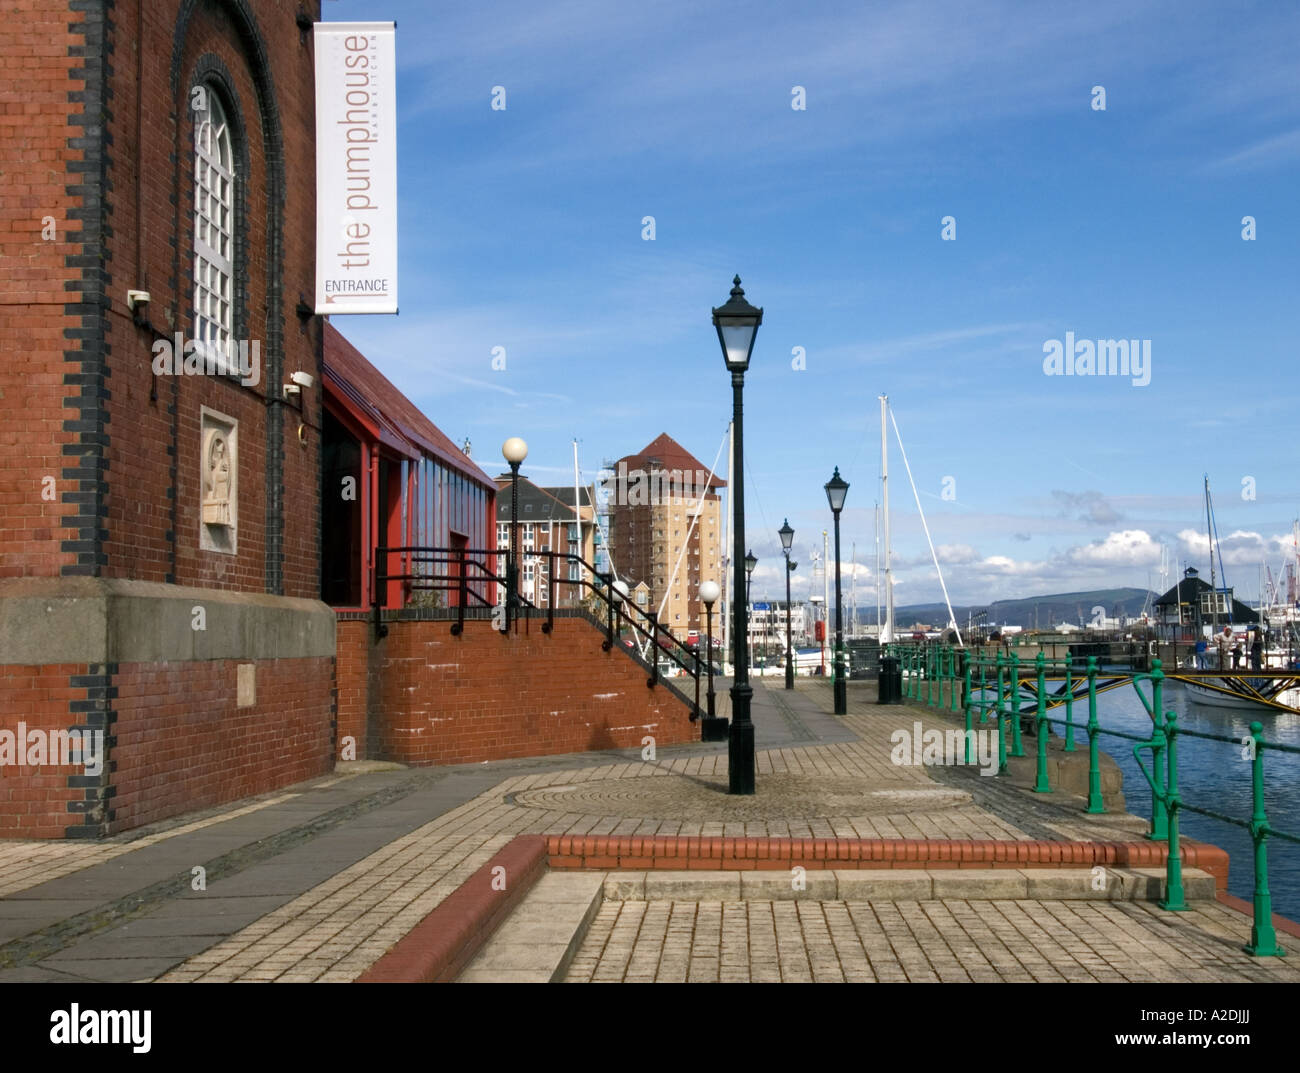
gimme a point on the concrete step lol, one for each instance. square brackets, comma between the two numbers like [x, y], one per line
[537, 943]
[852, 885]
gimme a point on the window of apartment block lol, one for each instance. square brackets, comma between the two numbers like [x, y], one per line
[503, 535]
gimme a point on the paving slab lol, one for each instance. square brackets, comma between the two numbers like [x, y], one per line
[625, 886]
[35, 974]
[115, 945]
[781, 885]
[884, 884]
[977, 883]
[670, 886]
[109, 970]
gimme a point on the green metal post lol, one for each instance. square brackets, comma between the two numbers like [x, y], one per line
[936, 676]
[950, 674]
[1175, 898]
[1095, 804]
[1041, 783]
[1002, 727]
[1017, 746]
[929, 673]
[1069, 706]
[940, 671]
[945, 674]
[966, 698]
[1159, 761]
[983, 701]
[1263, 939]
[956, 679]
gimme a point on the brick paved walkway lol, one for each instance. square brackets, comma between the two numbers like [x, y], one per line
[317, 882]
[946, 941]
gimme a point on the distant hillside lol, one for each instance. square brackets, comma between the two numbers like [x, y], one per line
[1040, 611]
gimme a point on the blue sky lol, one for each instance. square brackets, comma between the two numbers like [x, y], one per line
[523, 229]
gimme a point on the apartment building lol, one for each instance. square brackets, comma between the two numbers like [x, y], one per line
[665, 529]
[547, 524]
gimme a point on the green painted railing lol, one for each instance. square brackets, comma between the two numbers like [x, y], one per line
[988, 686]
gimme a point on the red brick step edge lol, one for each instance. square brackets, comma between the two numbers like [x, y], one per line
[686, 853]
[438, 948]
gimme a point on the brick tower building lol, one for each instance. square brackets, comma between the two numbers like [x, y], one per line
[665, 515]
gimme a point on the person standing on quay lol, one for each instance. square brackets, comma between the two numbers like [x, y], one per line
[1224, 641]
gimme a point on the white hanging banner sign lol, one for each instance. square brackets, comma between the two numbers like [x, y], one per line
[356, 167]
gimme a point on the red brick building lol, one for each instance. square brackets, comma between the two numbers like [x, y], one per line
[169, 518]
[159, 518]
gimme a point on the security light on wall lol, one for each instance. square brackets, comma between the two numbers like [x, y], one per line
[303, 379]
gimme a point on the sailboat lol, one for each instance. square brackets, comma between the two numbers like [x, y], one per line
[1250, 693]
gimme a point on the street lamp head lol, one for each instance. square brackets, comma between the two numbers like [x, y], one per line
[787, 535]
[750, 562]
[514, 450]
[836, 489]
[737, 322]
[621, 590]
[709, 592]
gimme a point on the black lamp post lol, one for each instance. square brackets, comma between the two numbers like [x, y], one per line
[836, 489]
[514, 450]
[714, 728]
[787, 538]
[737, 323]
[750, 563]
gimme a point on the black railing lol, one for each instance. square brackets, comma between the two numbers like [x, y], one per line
[470, 574]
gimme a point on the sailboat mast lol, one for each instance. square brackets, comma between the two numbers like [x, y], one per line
[877, 571]
[1209, 536]
[577, 508]
[853, 590]
[727, 565]
[887, 635]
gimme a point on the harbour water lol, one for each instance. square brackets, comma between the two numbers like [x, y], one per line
[1216, 776]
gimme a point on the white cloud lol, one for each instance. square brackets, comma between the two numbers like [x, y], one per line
[956, 554]
[1130, 547]
[1241, 547]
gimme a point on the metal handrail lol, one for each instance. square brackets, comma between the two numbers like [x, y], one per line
[1162, 776]
[619, 613]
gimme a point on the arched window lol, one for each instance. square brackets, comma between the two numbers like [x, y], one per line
[214, 228]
